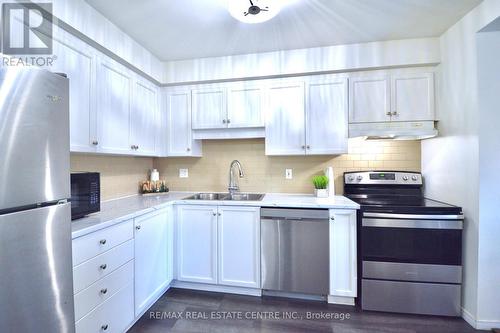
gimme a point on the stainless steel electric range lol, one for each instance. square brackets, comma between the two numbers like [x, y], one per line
[409, 247]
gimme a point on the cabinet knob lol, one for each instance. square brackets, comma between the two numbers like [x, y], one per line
[104, 327]
[332, 218]
[395, 113]
[188, 149]
[132, 147]
[308, 147]
[103, 266]
[223, 121]
[138, 227]
[104, 291]
[95, 142]
[389, 113]
[214, 214]
[303, 147]
[102, 241]
[136, 147]
[219, 214]
[229, 121]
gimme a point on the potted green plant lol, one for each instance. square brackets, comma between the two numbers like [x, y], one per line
[320, 186]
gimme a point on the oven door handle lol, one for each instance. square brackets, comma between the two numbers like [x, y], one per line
[413, 216]
[413, 224]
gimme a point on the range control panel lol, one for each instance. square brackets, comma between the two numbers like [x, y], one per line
[383, 177]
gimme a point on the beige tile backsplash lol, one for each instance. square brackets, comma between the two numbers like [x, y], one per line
[120, 176]
[267, 174]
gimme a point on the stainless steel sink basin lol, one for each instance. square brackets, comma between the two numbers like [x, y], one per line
[227, 196]
[245, 197]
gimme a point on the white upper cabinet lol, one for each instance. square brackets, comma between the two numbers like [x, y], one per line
[412, 97]
[197, 243]
[239, 246]
[245, 105]
[285, 119]
[369, 99]
[179, 132]
[151, 258]
[114, 88]
[78, 61]
[209, 108]
[326, 116]
[144, 118]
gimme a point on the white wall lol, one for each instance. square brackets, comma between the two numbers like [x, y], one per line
[489, 181]
[450, 162]
[408, 52]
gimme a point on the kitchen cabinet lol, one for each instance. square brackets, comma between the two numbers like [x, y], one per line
[144, 118]
[239, 246]
[78, 61]
[412, 97]
[219, 245]
[285, 119]
[245, 105]
[369, 99]
[114, 90]
[326, 116]
[307, 118]
[151, 258]
[343, 257]
[197, 243]
[179, 132]
[395, 96]
[209, 108]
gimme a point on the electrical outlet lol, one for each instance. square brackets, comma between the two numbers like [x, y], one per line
[288, 174]
[183, 173]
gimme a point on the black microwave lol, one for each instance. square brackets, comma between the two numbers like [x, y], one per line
[85, 194]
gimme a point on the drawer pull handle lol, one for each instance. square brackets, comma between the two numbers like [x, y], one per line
[104, 291]
[102, 241]
[104, 266]
[104, 327]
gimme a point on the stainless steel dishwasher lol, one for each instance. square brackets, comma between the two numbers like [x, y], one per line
[295, 250]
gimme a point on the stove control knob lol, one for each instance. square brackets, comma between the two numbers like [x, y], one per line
[414, 178]
[405, 178]
[360, 178]
[350, 178]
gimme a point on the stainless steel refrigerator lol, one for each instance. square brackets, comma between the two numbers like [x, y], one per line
[36, 285]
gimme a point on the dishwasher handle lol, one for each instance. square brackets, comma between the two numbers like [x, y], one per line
[294, 214]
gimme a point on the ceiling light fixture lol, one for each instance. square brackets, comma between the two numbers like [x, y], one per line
[254, 11]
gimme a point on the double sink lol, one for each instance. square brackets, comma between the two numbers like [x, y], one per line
[227, 196]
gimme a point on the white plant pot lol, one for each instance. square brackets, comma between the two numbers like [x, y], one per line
[323, 193]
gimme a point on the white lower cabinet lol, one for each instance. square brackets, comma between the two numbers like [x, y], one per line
[151, 258]
[197, 243]
[238, 230]
[343, 258]
[219, 245]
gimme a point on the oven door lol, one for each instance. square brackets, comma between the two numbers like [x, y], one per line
[406, 238]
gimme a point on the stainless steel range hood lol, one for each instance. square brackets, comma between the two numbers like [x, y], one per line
[411, 130]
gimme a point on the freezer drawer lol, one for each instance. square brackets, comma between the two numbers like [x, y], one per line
[411, 297]
[295, 251]
[36, 284]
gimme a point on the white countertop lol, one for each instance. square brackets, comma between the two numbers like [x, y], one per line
[118, 210]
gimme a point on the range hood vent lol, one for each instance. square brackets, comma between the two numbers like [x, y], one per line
[411, 130]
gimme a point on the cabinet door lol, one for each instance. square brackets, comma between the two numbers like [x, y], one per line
[245, 106]
[179, 133]
[209, 108]
[197, 243]
[326, 117]
[78, 62]
[239, 246]
[412, 97]
[151, 258]
[343, 259]
[369, 99]
[114, 85]
[144, 118]
[285, 120]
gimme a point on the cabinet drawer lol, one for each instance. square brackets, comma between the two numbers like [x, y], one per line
[89, 246]
[98, 267]
[103, 289]
[115, 314]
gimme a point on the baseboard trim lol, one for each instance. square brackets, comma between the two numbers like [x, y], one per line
[216, 288]
[342, 300]
[479, 324]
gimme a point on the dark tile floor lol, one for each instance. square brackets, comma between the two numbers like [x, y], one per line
[196, 311]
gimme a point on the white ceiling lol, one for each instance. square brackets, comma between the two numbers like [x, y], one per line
[186, 29]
